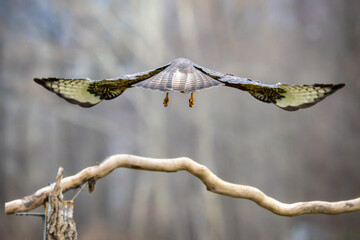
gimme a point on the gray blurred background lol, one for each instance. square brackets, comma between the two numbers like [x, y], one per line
[311, 154]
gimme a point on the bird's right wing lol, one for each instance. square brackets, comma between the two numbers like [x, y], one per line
[87, 93]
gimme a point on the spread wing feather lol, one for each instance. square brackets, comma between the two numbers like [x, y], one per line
[87, 93]
[287, 97]
[294, 97]
[74, 91]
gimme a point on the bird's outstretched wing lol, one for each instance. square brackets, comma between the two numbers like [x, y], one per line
[287, 97]
[87, 93]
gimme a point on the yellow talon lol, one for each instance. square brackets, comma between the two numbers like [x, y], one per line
[166, 100]
[191, 100]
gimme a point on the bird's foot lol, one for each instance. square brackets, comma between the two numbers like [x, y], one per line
[166, 100]
[191, 100]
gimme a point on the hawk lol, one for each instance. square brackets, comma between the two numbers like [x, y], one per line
[183, 75]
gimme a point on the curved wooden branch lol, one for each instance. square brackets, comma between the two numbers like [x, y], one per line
[211, 181]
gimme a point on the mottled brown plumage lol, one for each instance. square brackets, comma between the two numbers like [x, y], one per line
[183, 75]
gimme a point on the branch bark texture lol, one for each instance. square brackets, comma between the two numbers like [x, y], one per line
[60, 223]
[211, 181]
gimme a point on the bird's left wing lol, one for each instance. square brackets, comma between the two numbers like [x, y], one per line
[87, 93]
[287, 97]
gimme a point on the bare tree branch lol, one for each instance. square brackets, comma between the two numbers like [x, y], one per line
[211, 181]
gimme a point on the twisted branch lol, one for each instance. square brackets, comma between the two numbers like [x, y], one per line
[211, 181]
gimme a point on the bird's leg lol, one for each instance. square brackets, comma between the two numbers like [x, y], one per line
[191, 100]
[166, 100]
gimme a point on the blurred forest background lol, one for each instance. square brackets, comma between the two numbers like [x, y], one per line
[311, 154]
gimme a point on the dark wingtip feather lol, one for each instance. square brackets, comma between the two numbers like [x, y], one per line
[43, 81]
[334, 87]
[39, 81]
[338, 86]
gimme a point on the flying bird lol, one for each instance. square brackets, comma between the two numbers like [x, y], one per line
[183, 75]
